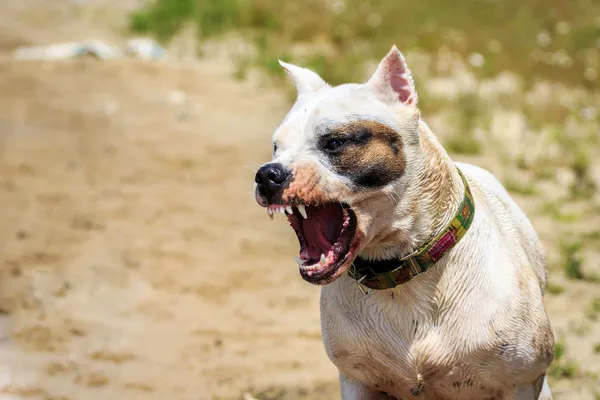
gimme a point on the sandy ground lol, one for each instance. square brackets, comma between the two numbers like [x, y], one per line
[134, 262]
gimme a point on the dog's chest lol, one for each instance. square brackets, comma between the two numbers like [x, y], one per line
[396, 349]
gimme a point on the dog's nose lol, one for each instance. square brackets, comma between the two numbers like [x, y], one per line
[270, 179]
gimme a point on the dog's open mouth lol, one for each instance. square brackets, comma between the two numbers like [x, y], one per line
[326, 234]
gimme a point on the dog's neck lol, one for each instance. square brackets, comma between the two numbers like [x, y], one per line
[429, 203]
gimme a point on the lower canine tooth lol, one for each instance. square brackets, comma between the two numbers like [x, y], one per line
[323, 260]
[299, 261]
[302, 210]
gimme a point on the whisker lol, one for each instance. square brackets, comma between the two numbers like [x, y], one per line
[392, 199]
[251, 168]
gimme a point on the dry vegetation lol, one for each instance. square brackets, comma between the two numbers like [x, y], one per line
[125, 269]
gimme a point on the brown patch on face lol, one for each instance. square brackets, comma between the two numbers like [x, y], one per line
[304, 186]
[370, 153]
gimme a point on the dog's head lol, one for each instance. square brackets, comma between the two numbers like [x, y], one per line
[341, 158]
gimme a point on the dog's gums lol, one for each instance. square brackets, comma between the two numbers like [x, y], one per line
[326, 234]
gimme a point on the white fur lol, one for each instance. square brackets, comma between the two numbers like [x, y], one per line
[472, 327]
[452, 313]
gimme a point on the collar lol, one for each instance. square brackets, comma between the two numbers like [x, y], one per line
[388, 274]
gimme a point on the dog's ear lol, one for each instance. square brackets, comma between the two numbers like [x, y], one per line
[393, 80]
[304, 79]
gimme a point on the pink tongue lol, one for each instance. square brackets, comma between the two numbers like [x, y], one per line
[321, 230]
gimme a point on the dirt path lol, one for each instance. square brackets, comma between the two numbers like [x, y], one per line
[135, 263]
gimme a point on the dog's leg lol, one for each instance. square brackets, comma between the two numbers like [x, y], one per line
[352, 390]
[538, 390]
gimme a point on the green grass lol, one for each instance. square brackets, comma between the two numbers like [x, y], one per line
[572, 261]
[594, 310]
[554, 210]
[163, 18]
[547, 39]
[560, 349]
[554, 288]
[567, 370]
[583, 186]
[462, 145]
[519, 188]
[562, 367]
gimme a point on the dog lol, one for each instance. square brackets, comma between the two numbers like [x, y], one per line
[432, 276]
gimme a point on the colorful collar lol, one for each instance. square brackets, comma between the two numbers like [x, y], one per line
[388, 274]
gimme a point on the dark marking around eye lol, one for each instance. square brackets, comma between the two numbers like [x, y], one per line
[371, 155]
[274, 148]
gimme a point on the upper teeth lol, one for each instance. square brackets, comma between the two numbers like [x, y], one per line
[302, 210]
[283, 208]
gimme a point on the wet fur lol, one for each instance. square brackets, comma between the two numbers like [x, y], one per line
[472, 327]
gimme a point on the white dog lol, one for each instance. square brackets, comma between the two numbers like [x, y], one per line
[433, 277]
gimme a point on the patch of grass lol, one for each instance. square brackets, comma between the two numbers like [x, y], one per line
[162, 18]
[554, 288]
[594, 235]
[537, 39]
[596, 348]
[594, 310]
[560, 349]
[567, 370]
[463, 145]
[562, 367]
[554, 210]
[596, 306]
[572, 260]
[519, 188]
[583, 186]
[468, 112]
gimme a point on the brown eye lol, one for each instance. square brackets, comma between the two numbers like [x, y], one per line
[333, 145]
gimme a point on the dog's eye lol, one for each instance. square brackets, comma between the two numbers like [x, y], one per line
[274, 148]
[333, 145]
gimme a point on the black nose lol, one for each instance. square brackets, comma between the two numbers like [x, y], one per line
[271, 179]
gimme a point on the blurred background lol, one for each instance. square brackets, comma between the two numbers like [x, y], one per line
[134, 261]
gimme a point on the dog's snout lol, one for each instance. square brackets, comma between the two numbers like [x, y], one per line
[270, 179]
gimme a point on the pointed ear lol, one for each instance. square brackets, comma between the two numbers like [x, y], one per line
[393, 80]
[304, 79]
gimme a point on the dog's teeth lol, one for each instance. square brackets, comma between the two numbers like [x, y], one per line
[289, 209]
[269, 213]
[302, 210]
[323, 260]
[299, 261]
[282, 210]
